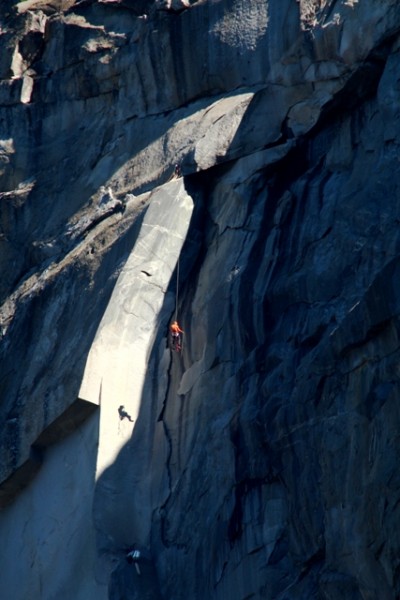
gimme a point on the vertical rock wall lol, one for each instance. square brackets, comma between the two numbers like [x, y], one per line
[48, 534]
[261, 462]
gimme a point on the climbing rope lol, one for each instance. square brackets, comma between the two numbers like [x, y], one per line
[176, 333]
[177, 290]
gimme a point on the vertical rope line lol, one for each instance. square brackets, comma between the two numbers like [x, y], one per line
[177, 290]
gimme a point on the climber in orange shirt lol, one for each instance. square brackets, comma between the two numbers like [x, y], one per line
[176, 337]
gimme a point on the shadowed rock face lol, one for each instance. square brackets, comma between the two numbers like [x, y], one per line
[261, 462]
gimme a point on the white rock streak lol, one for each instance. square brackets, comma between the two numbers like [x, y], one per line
[116, 366]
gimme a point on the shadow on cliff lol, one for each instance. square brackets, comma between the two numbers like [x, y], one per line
[126, 511]
[195, 81]
[122, 507]
[96, 151]
[132, 494]
[52, 330]
[123, 511]
[74, 304]
[145, 458]
[123, 503]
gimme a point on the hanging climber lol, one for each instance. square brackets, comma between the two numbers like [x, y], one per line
[133, 557]
[176, 336]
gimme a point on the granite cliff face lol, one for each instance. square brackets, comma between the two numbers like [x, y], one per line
[262, 461]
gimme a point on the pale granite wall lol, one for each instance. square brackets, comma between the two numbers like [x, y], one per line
[262, 462]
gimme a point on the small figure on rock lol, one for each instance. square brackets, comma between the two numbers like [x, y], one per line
[177, 171]
[176, 336]
[133, 558]
[123, 414]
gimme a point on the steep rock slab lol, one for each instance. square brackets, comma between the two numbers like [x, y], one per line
[117, 362]
[118, 367]
[283, 453]
[49, 323]
[87, 79]
[49, 532]
[294, 292]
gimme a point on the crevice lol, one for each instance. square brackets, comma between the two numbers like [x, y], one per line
[219, 579]
[370, 335]
[75, 233]
[242, 488]
[62, 426]
[360, 86]
[163, 507]
[313, 562]
[168, 387]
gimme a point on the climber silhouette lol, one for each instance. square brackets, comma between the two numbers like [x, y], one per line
[176, 337]
[123, 414]
[133, 558]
